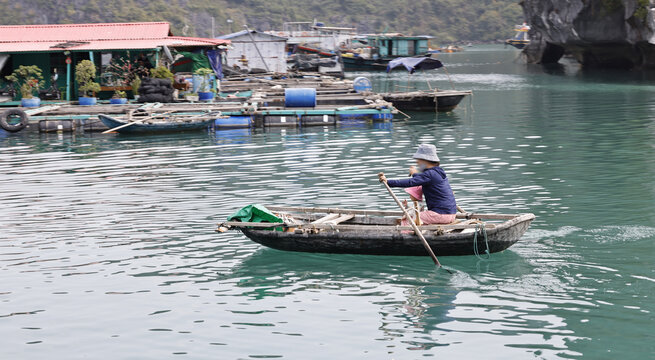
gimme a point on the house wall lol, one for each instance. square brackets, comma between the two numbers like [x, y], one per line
[272, 49]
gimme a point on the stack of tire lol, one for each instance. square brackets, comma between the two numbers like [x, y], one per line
[156, 90]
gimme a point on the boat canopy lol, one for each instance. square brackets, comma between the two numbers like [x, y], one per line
[414, 63]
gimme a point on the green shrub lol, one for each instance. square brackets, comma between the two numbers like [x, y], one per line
[28, 79]
[162, 72]
[85, 74]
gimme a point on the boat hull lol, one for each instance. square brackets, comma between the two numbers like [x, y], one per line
[361, 64]
[111, 123]
[426, 102]
[393, 243]
[519, 44]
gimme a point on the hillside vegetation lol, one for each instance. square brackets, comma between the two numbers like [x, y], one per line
[447, 20]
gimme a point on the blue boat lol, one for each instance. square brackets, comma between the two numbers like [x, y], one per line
[160, 123]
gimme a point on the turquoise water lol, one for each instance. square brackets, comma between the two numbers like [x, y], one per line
[108, 250]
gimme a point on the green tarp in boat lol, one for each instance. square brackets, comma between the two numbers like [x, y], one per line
[254, 213]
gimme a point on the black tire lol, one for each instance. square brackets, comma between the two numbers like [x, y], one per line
[4, 120]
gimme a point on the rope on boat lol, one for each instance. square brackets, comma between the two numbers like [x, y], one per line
[479, 227]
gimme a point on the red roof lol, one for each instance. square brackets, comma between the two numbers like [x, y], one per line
[101, 36]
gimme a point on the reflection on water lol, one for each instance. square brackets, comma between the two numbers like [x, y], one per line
[107, 242]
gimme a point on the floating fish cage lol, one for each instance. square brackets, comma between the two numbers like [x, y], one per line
[303, 117]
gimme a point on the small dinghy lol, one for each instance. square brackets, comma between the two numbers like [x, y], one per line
[332, 230]
[162, 122]
[424, 100]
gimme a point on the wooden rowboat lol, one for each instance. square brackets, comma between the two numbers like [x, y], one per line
[332, 230]
[442, 100]
[165, 122]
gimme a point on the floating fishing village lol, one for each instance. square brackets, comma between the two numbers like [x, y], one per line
[89, 70]
[357, 179]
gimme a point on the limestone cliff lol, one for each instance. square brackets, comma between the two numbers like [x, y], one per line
[598, 33]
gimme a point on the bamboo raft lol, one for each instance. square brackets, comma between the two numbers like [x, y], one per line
[371, 232]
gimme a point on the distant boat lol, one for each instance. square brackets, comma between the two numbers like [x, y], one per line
[374, 51]
[521, 39]
[423, 100]
[446, 49]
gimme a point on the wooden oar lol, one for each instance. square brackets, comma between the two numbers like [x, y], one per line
[135, 122]
[414, 226]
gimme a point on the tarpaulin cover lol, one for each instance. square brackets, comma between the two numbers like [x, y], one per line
[191, 62]
[214, 57]
[254, 213]
[414, 63]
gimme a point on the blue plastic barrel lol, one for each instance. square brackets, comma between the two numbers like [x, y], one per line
[205, 95]
[31, 102]
[87, 101]
[233, 122]
[361, 84]
[300, 97]
[382, 116]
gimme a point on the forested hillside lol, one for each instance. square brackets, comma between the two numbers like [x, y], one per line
[447, 20]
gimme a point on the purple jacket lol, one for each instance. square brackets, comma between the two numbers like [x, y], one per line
[436, 189]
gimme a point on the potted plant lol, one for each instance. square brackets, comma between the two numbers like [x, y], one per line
[205, 92]
[29, 79]
[136, 84]
[85, 74]
[127, 73]
[119, 98]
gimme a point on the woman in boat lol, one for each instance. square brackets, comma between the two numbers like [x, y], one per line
[439, 197]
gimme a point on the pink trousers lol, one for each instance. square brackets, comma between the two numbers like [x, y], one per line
[431, 217]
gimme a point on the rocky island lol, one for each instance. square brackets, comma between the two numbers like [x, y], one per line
[598, 33]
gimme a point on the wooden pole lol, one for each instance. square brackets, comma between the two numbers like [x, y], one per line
[256, 48]
[414, 226]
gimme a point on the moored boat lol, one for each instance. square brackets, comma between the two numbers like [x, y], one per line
[424, 100]
[164, 122]
[332, 230]
[521, 39]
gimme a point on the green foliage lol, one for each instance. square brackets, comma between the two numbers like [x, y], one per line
[136, 84]
[611, 6]
[162, 72]
[641, 12]
[448, 20]
[85, 74]
[119, 94]
[28, 79]
[204, 72]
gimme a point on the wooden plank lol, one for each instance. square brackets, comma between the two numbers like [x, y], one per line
[335, 210]
[341, 219]
[381, 228]
[42, 109]
[325, 218]
[382, 212]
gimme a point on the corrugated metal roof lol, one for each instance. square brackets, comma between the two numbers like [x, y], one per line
[245, 32]
[102, 36]
[85, 32]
